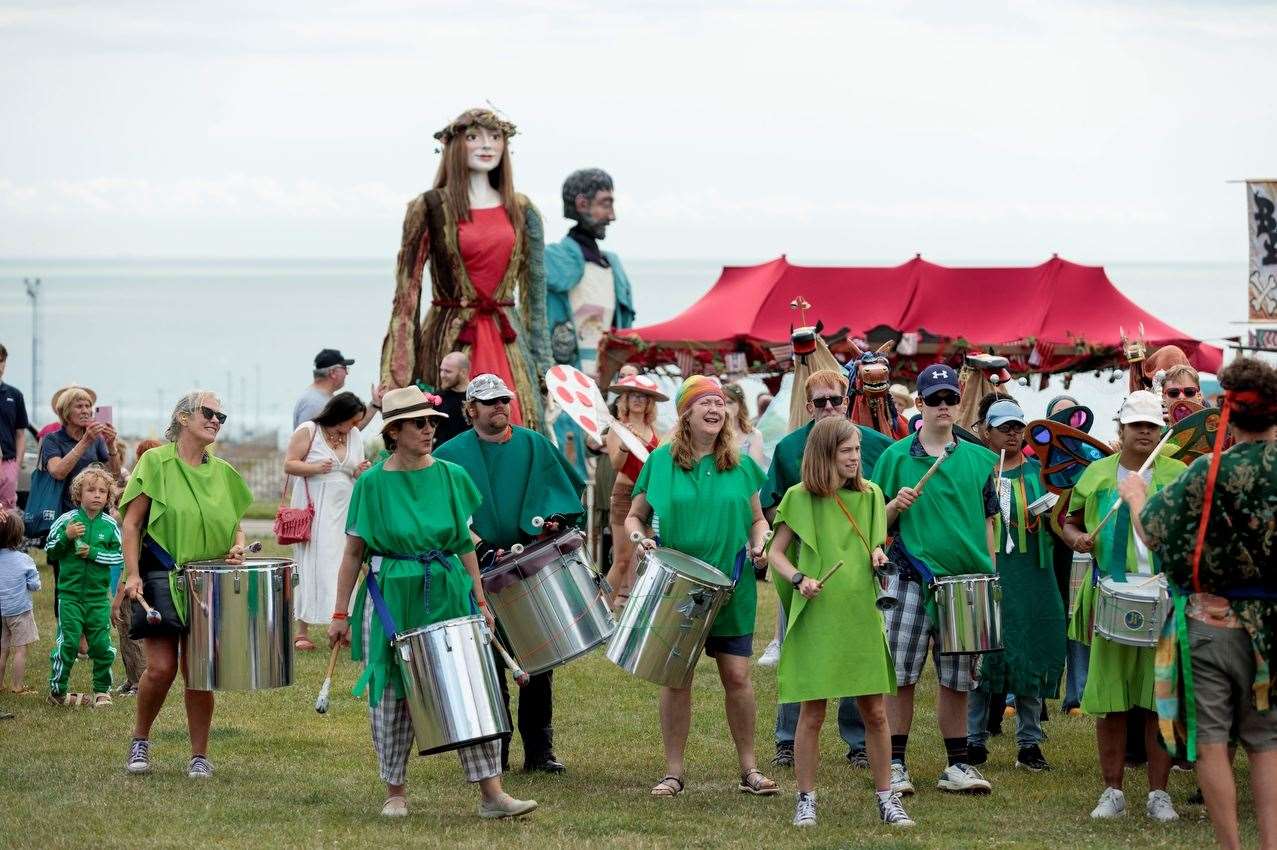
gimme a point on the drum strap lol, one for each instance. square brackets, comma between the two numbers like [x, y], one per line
[741, 556]
[851, 519]
[379, 605]
[374, 592]
[159, 553]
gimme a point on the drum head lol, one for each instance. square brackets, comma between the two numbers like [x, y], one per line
[692, 568]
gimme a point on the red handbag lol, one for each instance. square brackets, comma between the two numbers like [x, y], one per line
[292, 525]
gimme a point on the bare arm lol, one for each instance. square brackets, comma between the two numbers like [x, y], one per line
[900, 504]
[60, 467]
[134, 527]
[639, 518]
[777, 556]
[1073, 532]
[616, 450]
[991, 539]
[298, 448]
[21, 444]
[347, 573]
[758, 530]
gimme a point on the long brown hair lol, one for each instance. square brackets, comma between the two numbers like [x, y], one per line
[726, 452]
[453, 176]
[820, 457]
[623, 408]
[736, 394]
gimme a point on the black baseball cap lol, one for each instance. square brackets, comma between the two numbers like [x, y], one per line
[331, 357]
[935, 378]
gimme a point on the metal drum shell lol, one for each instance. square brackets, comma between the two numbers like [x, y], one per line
[664, 626]
[969, 608]
[1042, 505]
[240, 624]
[1131, 612]
[548, 602]
[1080, 571]
[451, 684]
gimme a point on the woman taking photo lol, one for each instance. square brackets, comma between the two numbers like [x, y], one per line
[181, 504]
[636, 410]
[704, 497]
[327, 454]
[418, 506]
[836, 645]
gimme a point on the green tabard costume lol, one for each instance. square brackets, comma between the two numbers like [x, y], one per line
[945, 528]
[707, 514]
[195, 510]
[787, 461]
[410, 513]
[1120, 677]
[836, 644]
[522, 478]
[1032, 659]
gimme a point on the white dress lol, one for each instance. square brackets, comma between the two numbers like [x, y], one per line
[319, 559]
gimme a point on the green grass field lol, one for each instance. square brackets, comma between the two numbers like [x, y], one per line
[289, 777]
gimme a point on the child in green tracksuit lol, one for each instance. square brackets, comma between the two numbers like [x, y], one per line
[86, 544]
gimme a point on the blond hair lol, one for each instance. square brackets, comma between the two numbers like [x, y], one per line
[623, 407]
[67, 399]
[93, 470]
[820, 457]
[1182, 371]
[829, 379]
[726, 452]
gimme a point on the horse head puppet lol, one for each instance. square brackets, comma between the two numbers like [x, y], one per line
[869, 382]
[981, 374]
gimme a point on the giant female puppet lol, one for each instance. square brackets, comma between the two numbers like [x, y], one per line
[485, 246]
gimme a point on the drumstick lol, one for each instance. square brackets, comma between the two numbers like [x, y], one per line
[152, 616]
[520, 678]
[832, 570]
[321, 703]
[948, 450]
[1143, 468]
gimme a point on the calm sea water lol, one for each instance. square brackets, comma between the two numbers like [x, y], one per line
[141, 332]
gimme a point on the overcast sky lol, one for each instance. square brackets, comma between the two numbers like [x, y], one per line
[831, 131]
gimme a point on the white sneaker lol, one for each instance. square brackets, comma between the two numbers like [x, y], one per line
[1159, 807]
[963, 779]
[505, 806]
[900, 782]
[893, 812]
[396, 807]
[805, 813]
[771, 655]
[1112, 804]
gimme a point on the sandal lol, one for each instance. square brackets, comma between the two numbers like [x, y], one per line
[102, 701]
[22, 691]
[754, 782]
[670, 786]
[69, 700]
[303, 644]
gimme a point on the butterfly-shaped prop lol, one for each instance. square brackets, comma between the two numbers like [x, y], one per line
[1064, 453]
[583, 403]
[1195, 435]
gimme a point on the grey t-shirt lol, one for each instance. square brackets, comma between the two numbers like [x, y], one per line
[309, 405]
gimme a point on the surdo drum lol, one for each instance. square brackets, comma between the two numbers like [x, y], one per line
[241, 624]
[665, 624]
[970, 612]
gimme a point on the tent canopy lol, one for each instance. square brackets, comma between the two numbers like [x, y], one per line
[1070, 313]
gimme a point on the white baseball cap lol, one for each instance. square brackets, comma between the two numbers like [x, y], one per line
[1141, 406]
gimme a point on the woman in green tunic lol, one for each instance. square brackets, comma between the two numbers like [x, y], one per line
[1120, 678]
[1032, 660]
[836, 643]
[410, 517]
[181, 504]
[703, 496]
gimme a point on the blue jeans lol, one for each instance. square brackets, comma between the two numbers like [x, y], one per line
[850, 726]
[1028, 719]
[1079, 662]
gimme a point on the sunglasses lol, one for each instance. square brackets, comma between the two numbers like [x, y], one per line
[1188, 392]
[1009, 428]
[937, 399]
[420, 422]
[827, 401]
[210, 414]
[493, 402]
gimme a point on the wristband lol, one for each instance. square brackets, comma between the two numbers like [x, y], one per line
[339, 615]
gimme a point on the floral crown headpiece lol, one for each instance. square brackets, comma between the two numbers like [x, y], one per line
[487, 118]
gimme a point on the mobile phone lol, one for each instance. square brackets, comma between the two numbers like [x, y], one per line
[104, 414]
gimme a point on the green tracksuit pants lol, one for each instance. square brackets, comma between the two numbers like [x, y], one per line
[85, 609]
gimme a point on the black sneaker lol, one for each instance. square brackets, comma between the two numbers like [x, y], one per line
[858, 758]
[784, 755]
[977, 754]
[1031, 759]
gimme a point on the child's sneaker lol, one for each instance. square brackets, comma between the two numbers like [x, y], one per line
[893, 813]
[199, 768]
[139, 760]
[805, 811]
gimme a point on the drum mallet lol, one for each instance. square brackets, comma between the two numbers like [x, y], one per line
[152, 616]
[520, 678]
[948, 450]
[321, 702]
[821, 584]
[1143, 468]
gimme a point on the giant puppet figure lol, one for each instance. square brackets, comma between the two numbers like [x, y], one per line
[485, 246]
[589, 293]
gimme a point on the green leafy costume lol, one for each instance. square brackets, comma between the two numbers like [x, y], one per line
[1120, 677]
[707, 513]
[836, 644]
[410, 513]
